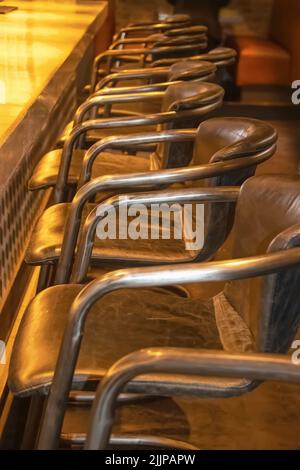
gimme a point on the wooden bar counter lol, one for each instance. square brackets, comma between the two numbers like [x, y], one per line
[46, 50]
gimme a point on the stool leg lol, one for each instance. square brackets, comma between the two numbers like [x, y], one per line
[43, 277]
[34, 416]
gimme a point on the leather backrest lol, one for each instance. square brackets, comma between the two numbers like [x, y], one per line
[220, 140]
[161, 40]
[190, 30]
[185, 97]
[284, 29]
[191, 70]
[178, 18]
[267, 219]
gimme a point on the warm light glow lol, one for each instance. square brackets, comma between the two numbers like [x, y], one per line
[2, 92]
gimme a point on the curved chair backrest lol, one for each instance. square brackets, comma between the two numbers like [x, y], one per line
[224, 140]
[197, 43]
[188, 100]
[185, 70]
[178, 19]
[186, 31]
[221, 56]
[267, 220]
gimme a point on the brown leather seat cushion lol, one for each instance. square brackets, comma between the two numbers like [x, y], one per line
[261, 62]
[52, 222]
[120, 323]
[46, 171]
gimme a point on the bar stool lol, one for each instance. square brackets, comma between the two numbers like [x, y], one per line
[220, 57]
[189, 42]
[190, 32]
[167, 361]
[159, 46]
[183, 106]
[171, 22]
[226, 153]
[257, 311]
[179, 72]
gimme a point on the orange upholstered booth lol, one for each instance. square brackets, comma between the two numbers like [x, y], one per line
[275, 60]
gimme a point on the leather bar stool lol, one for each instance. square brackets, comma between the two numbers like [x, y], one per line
[198, 32]
[179, 72]
[159, 47]
[257, 311]
[184, 105]
[260, 367]
[226, 153]
[171, 22]
[220, 57]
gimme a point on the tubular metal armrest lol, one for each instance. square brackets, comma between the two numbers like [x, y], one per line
[120, 43]
[153, 87]
[133, 140]
[180, 39]
[110, 99]
[110, 123]
[147, 74]
[136, 278]
[86, 241]
[161, 86]
[150, 27]
[183, 362]
[150, 119]
[220, 56]
[110, 55]
[152, 179]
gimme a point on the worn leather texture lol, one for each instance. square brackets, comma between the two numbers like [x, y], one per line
[218, 139]
[255, 314]
[267, 207]
[149, 318]
[46, 242]
[284, 30]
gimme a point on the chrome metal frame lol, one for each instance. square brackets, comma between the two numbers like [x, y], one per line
[81, 130]
[140, 73]
[152, 27]
[177, 361]
[199, 39]
[141, 181]
[134, 55]
[147, 277]
[86, 241]
[161, 86]
[171, 136]
[219, 57]
[133, 140]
